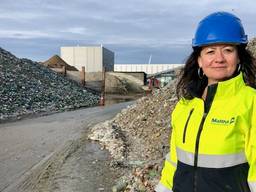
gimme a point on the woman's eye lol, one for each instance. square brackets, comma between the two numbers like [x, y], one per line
[210, 52]
[229, 50]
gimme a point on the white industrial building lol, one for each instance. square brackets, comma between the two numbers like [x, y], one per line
[93, 58]
[146, 68]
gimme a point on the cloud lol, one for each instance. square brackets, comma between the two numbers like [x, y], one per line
[77, 30]
[22, 34]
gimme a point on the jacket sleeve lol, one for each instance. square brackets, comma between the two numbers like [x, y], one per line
[250, 150]
[170, 163]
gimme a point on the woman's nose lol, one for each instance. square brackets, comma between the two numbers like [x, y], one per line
[219, 56]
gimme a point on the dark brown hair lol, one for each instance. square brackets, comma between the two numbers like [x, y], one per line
[190, 85]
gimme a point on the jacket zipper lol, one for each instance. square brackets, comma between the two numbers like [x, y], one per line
[196, 152]
[207, 105]
[186, 125]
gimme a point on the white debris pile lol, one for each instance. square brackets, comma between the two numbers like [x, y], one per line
[109, 139]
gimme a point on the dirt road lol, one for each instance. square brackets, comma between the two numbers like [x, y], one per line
[27, 144]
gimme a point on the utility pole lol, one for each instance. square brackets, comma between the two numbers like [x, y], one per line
[83, 76]
[149, 60]
[102, 96]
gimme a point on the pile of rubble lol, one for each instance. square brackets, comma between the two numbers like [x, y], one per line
[138, 139]
[29, 88]
[57, 62]
[252, 46]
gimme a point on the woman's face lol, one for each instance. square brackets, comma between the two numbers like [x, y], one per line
[218, 61]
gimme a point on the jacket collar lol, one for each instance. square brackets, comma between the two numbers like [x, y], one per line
[229, 87]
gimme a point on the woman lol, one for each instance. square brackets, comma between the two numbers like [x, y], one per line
[213, 141]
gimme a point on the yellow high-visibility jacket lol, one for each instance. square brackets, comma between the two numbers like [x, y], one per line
[213, 142]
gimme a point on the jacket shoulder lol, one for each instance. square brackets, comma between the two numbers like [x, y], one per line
[250, 91]
[181, 105]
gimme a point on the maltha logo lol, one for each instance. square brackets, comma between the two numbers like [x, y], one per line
[223, 121]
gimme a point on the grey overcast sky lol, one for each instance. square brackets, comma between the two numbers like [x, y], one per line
[133, 29]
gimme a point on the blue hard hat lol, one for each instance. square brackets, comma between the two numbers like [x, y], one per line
[219, 27]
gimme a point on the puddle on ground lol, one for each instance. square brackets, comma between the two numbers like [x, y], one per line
[86, 170]
[111, 99]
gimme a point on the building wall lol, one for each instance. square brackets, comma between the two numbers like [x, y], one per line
[146, 68]
[92, 58]
[108, 59]
[67, 54]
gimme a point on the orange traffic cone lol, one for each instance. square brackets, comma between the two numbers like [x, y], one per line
[102, 100]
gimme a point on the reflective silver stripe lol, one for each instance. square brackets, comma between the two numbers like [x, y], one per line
[252, 186]
[161, 188]
[211, 161]
[168, 158]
